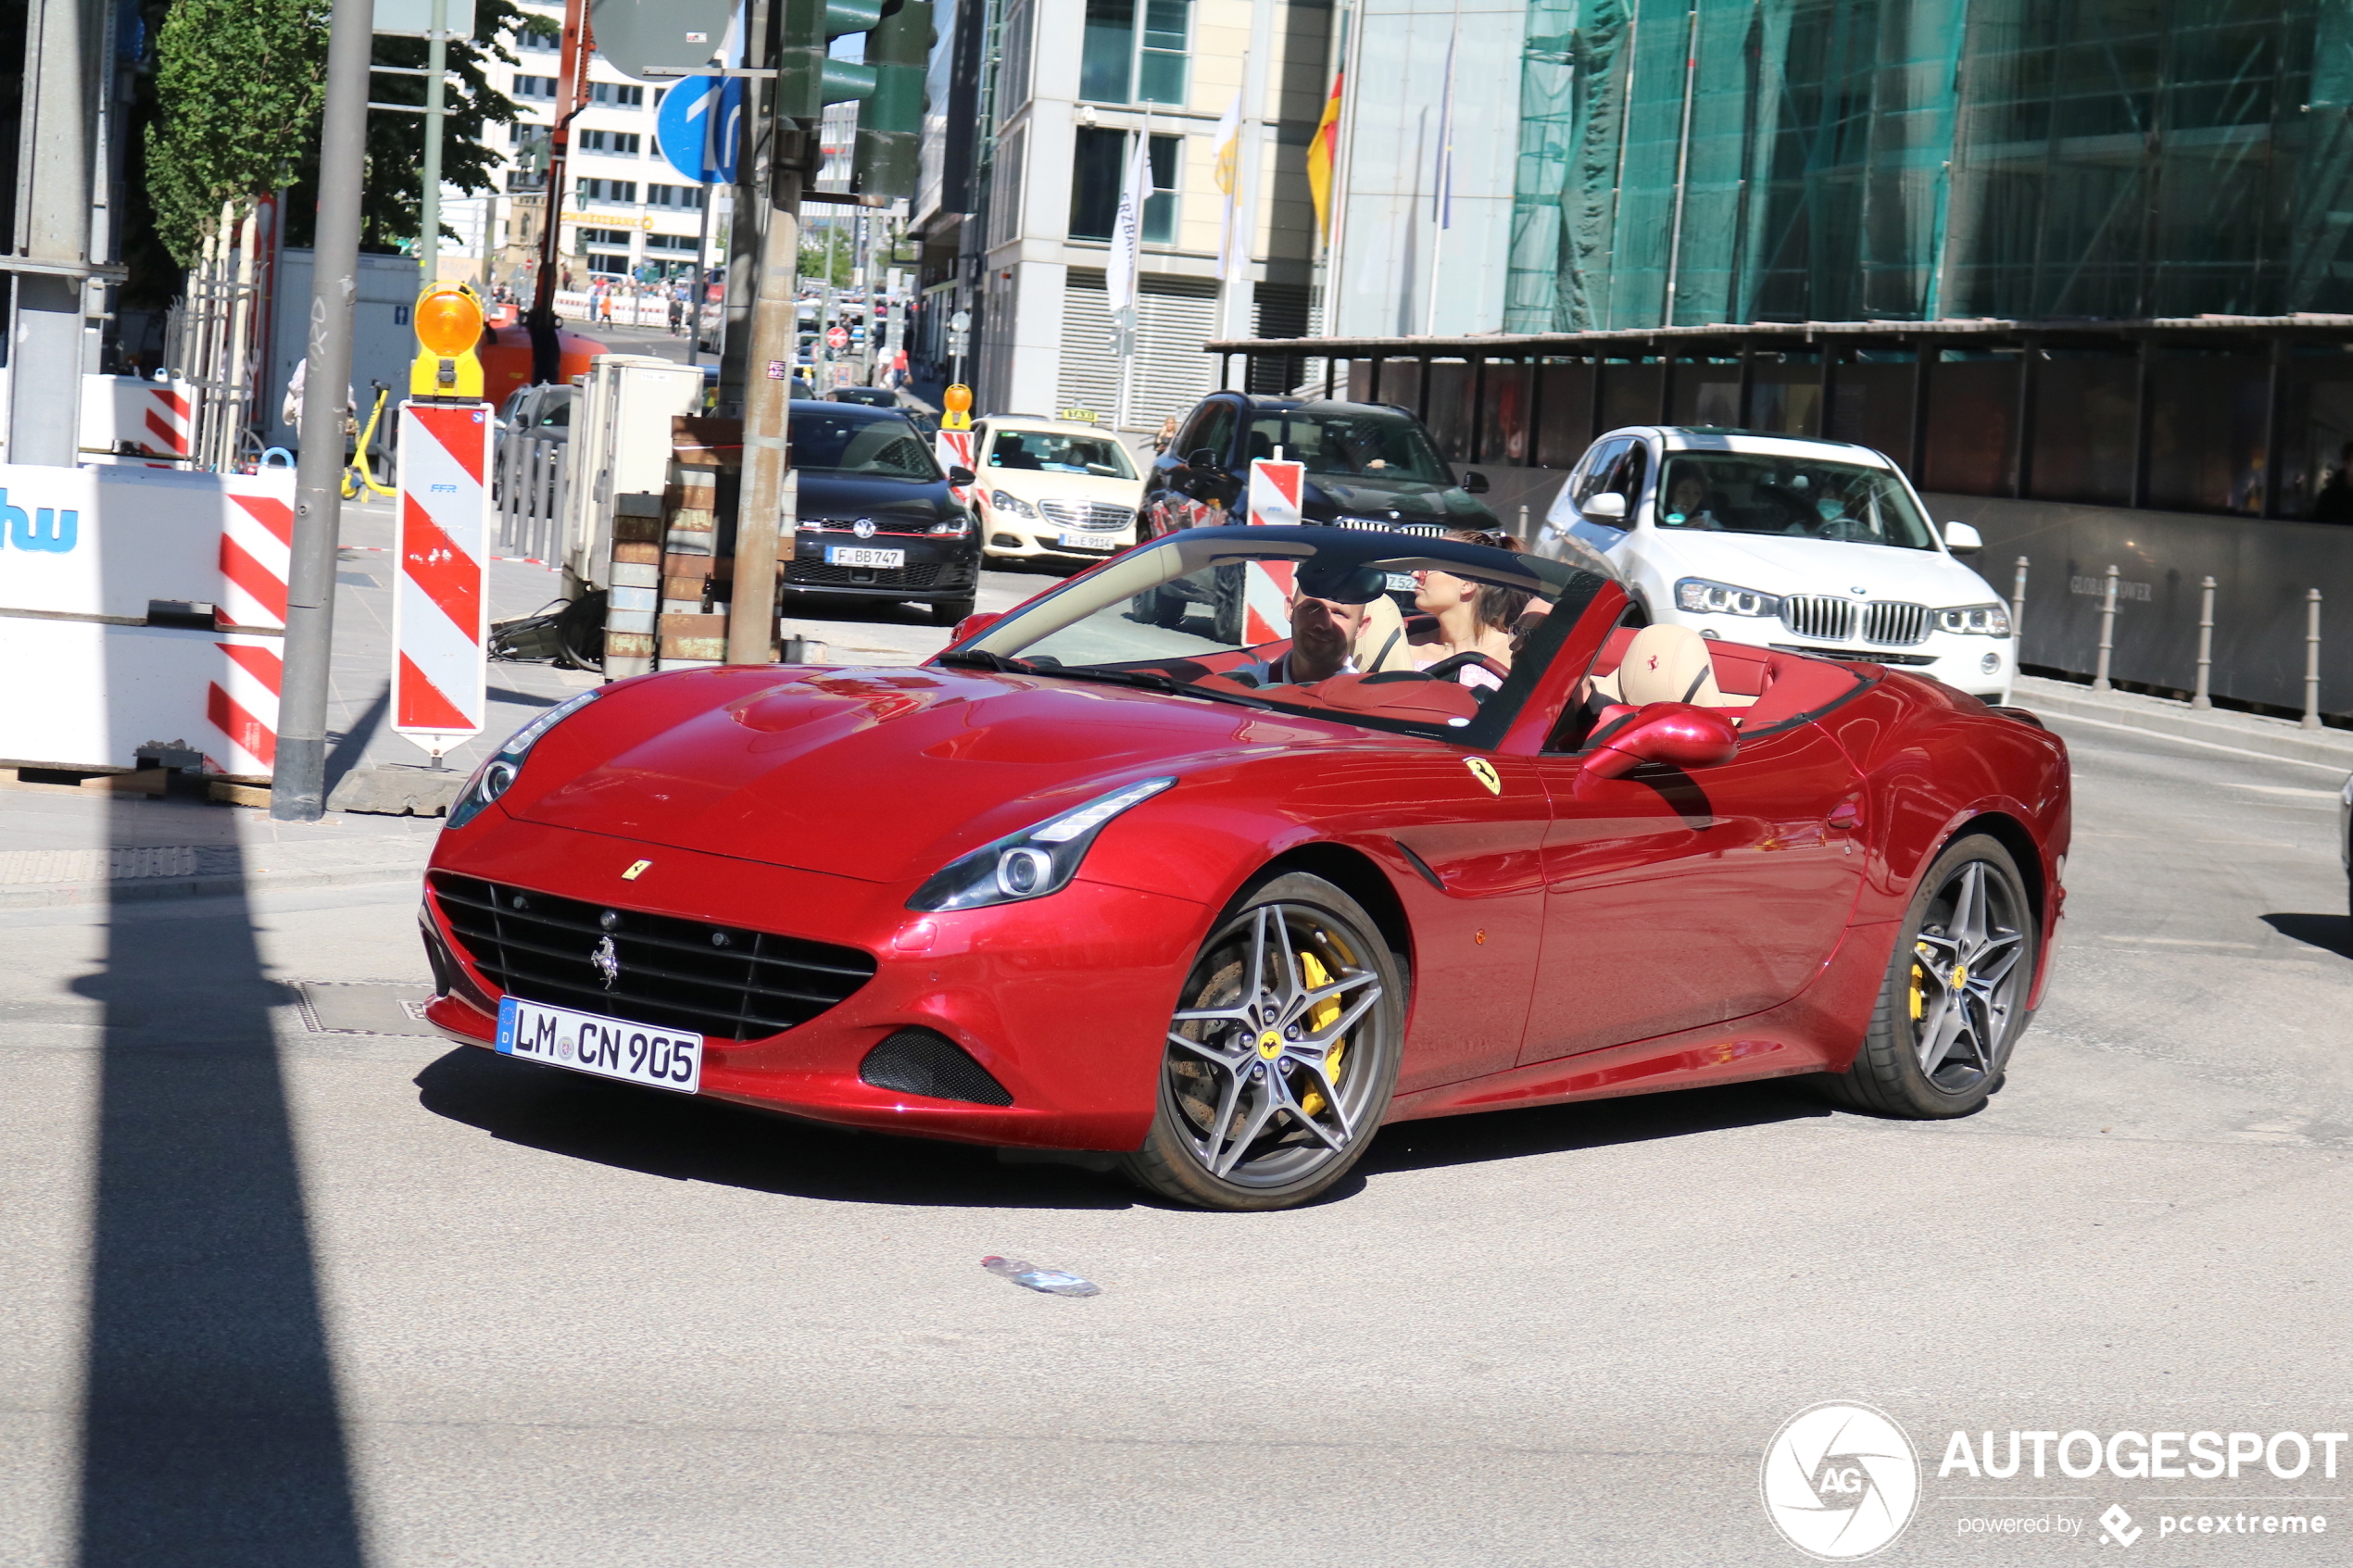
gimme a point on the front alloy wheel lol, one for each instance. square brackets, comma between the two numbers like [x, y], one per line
[1281, 1055]
[1954, 1001]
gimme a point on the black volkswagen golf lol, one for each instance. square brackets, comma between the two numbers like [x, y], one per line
[877, 518]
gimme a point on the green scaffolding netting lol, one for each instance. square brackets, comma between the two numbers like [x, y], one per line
[1736, 161]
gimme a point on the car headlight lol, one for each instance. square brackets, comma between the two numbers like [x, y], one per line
[1702, 597]
[1010, 505]
[1976, 621]
[959, 525]
[1031, 864]
[495, 777]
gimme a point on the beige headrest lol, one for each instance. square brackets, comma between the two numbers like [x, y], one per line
[1380, 642]
[1668, 664]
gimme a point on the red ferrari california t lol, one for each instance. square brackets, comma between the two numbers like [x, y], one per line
[1442, 832]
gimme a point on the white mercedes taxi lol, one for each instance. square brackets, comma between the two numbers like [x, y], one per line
[1813, 546]
[1054, 490]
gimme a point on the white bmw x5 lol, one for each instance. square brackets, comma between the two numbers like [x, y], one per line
[1814, 546]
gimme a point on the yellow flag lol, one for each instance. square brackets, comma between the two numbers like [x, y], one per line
[1321, 151]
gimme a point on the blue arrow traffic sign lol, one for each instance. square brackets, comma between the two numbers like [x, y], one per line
[693, 145]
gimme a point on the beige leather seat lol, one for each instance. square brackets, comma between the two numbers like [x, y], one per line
[1380, 642]
[1666, 664]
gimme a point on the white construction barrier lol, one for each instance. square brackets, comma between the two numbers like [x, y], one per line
[128, 419]
[142, 607]
[440, 603]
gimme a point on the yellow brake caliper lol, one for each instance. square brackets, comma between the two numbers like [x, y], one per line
[1919, 974]
[1319, 1018]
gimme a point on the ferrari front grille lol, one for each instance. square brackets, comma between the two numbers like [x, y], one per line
[1093, 516]
[1830, 620]
[1894, 626]
[717, 980]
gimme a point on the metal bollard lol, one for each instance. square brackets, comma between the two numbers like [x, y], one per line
[2312, 658]
[2107, 633]
[2199, 698]
[2018, 612]
[1523, 522]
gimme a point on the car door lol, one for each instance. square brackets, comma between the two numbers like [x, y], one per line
[1675, 900]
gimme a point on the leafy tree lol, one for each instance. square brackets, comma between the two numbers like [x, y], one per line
[238, 88]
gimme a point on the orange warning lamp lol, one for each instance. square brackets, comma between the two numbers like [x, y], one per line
[449, 321]
[957, 404]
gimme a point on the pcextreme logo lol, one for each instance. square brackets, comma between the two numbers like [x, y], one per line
[1839, 1481]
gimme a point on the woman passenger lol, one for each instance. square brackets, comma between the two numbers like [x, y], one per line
[1472, 617]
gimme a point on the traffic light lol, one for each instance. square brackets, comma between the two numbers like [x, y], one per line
[449, 322]
[889, 84]
[890, 122]
[808, 77]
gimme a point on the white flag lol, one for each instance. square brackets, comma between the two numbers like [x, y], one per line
[1128, 230]
[1233, 235]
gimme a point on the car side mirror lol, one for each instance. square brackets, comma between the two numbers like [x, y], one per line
[1961, 539]
[1608, 507]
[1201, 459]
[1673, 733]
[961, 476]
[1474, 483]
[974, 625]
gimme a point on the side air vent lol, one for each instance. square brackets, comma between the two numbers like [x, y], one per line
[917, 1061]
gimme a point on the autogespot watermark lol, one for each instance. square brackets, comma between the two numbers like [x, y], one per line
[1843, 1481]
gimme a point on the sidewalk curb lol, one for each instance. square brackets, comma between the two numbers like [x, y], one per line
[2321, 750]
[129, 890]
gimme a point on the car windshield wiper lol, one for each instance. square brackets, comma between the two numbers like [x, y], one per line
[974, 659]
[1149, 682]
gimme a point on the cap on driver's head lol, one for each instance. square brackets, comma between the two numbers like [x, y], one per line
[1342, 585]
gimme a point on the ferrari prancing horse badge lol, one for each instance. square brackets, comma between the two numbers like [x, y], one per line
[1484, 771]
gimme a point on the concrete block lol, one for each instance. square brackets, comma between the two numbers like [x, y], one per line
[634, 574]
[396, 792]
[644, 554]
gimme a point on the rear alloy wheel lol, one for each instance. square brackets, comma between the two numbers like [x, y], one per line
[1955, 999]
[1281, 1056]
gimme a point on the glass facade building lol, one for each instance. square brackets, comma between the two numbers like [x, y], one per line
[1683, 162]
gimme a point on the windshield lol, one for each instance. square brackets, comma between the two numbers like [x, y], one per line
[1429, 637]
[1357, 443]
[1053, 452]
[885, 449]
[1742, 493]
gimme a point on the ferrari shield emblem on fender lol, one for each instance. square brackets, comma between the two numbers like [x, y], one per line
[1484, 771]
[637, 869]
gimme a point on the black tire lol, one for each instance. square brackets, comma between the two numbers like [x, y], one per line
[1923, 1057]
[1283, 1093]
[950, 611]
[1225, 616]
[1158, 607]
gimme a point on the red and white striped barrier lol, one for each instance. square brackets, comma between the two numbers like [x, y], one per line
[440, 611]
[153, 420]
[954, 450]
[1274, 502]
[155, 601]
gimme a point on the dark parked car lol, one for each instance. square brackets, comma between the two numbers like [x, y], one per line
[872, 396]
[877, 518]
[1369, 466]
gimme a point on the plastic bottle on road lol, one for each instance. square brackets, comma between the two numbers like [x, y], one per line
[1053, 1282]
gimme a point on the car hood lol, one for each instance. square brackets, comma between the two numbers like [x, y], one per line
[846, 497]
[1772, 564]
[1412, 500]
[878, 775]
[1032, 485]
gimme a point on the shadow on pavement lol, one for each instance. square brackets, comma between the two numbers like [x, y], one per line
[2331, 934]
[687, 1139]
[1555, 1129]
[212, 1428]
[352, 745]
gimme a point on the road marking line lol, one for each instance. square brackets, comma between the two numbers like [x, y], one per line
[2209, 744]
[2177, 942]
[2283, 789]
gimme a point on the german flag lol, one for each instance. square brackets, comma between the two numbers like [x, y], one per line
[1321, 155]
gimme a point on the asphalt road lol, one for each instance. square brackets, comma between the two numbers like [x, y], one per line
[275, 1294]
